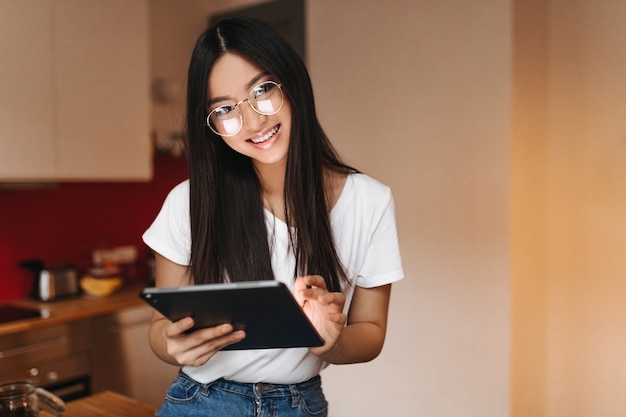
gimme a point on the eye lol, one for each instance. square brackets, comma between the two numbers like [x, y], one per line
[262, 89]
[223, 112]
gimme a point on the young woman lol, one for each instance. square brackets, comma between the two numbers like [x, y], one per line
[268, 199]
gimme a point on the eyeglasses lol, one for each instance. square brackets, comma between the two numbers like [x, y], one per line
[266, 99]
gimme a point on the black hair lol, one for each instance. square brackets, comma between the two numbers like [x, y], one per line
[228, 230]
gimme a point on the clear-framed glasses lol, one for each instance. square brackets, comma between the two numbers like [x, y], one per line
[266, 99]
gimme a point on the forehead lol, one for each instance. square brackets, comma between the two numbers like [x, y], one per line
[231, 75]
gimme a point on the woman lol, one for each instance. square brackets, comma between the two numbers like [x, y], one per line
[268, 198]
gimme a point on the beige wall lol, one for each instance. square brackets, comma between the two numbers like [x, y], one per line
[417, 94]
[502, 134]
[568, 265]
[528, 210]
[586, 209]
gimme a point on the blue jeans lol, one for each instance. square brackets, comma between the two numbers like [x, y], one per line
[222, 398]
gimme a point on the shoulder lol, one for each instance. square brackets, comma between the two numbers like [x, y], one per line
[366, 187]
[364, 196]
[180, 193]
[177, 200]
[181, 189]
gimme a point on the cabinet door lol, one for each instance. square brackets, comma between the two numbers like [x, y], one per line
[102, 74]
[27, 123]
[122, 339]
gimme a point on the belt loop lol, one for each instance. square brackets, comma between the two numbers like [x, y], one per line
[295, 395]
[206, 388]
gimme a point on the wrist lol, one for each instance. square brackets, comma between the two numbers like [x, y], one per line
[329, 352]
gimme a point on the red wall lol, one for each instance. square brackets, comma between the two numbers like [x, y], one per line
[65, 222]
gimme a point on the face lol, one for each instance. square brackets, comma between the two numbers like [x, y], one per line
[264, 138]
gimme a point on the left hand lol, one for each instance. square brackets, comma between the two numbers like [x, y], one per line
[323, 308]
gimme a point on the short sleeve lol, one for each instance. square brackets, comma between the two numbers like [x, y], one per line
[170, 233]
[382, 264]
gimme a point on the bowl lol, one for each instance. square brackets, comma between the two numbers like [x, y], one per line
[100, 286]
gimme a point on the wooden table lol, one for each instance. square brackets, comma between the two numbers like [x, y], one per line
[107, 404]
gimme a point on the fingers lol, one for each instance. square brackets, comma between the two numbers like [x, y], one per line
[325, 298]
[338, 318]
[337, 298]
[198, 347]
[308, 282]
[298, 286]
[309, 288]
[316, 281]
[179, 327]
[202, 349]
[313, 288]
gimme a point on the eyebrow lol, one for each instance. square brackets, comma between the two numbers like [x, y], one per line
[248, 86]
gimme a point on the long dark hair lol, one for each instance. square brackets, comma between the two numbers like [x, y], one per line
[228, 230]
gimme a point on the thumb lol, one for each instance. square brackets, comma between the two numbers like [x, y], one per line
[298, 286]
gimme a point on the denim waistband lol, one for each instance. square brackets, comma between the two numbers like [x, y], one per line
[260, 389]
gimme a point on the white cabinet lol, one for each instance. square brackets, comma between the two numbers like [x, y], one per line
[123, 360]
[27, 146]
[74, 90]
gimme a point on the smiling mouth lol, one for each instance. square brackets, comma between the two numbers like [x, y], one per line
[266, 136]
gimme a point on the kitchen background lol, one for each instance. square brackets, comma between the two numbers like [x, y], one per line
[64, 223]
[503, 139]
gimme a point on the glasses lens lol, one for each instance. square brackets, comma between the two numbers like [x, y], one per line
[225, 120]
[267, 98]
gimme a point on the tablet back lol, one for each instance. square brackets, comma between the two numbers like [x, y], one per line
[265, 310]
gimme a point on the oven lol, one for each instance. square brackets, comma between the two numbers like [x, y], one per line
[71, 389]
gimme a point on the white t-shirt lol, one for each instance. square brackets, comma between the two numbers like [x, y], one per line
[364, 228]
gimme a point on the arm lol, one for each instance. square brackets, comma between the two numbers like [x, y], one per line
[168, 340]
[363, 338]
[360, 336]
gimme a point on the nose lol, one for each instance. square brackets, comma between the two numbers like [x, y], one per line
[252, 121]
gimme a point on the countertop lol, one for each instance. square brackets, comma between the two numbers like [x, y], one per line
[106, 404]
[73, 309]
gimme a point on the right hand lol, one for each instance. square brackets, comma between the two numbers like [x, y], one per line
[196, 348]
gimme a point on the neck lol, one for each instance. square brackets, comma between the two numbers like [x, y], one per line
[272, 178]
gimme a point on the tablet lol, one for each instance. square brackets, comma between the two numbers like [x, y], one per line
[265, 310]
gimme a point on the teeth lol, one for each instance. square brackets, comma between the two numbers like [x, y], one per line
[267, 136]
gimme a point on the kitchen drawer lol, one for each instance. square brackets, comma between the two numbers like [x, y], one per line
[52, 371]
[20, 350]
